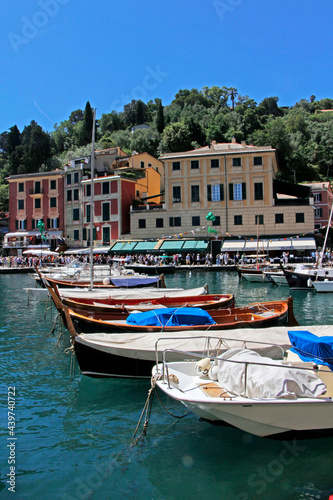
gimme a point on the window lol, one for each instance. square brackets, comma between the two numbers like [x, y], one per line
[176, 194]
[195, 194]
[159, 222]
[69, 179]
[76, 177]
[236, 162]
[20, 204]
[138, 194]
[215, 163]
[88, 212]
[258, 191]
[84, 235]
[259, 218]
[37, 187]
[278, 218]
[106, 187]
[142, 223]
[53, 202]
[76, 234]
[20, 224]
[215, 192]
[217, 221]
[21, 187]
[257, 160]
[194, 163]
[69, 195]
[76, 194]
[237, 191]
[76, 214]
[37, 203]
[105, 211]
[196, 220]
[317, 197]
[88, 190]
[318, 212]
[238, 220]
[174, 221]
[53, 184]
[142, 165]
[176, 165]
[52, 223]
[299, 218]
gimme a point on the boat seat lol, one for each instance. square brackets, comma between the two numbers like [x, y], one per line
[214, 390]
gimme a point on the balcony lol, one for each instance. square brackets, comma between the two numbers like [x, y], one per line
[149, 206]
[36, 192]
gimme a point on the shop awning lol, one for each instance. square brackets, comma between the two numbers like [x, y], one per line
[170, 246]
[117, 246]
[195, 245]
[22, 234]
[304, 244]
[145, 246]
[284, 244]
[233, 246]
[53, 234]
[253, 246]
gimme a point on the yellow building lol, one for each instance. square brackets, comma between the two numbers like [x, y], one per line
[236, 182]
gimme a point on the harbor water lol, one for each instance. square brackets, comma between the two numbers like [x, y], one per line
[72, 434]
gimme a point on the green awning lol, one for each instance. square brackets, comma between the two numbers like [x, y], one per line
[201, 245]
[117, 246]
[195, 245]
[145, 246]
[128, 246]
[170, 246]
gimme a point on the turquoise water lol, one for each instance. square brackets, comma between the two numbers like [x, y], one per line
[71, 434]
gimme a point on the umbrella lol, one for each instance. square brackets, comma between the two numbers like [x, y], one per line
[38, 253]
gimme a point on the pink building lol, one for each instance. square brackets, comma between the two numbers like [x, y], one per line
[322, 202]
[32, 198]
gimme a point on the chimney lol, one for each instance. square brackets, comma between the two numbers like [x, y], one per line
[233, 140]
[243, 143]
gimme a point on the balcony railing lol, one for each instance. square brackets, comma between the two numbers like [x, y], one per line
[151, 206]
[36, 191]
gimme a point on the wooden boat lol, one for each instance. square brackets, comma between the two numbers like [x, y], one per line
[133, 355]
[242, 389]
[122, 281]
[255, 315]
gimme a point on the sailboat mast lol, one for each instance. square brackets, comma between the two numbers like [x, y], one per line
[258, 244]
[92, 166]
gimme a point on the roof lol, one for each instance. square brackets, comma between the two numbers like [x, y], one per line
[36, 174]
[220, 148]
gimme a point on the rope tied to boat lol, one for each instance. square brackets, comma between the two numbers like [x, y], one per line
[71, 350]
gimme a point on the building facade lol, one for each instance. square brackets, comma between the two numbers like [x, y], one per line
[112, 198]
[32, 198]
[234, 182]
[322, 202]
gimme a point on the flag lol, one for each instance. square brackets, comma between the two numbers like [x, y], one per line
[211, 230]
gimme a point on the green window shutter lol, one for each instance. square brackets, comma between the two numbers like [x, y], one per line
[221, 192]
[231, 191]
[209, 192]
[243, 190]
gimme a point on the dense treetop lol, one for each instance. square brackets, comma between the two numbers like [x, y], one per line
[302, 134]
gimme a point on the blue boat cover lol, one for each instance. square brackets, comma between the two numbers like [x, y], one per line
[171, 316]
[309, 347]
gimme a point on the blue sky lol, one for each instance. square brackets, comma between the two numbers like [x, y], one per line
[58, 54]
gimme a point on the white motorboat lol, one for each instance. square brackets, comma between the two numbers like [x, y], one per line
[253, 393]
[325, 286]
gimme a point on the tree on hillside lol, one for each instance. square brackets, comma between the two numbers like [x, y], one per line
[159, 117]
[36, 146]
[135, 113]
[87, 125]
[176, 137]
